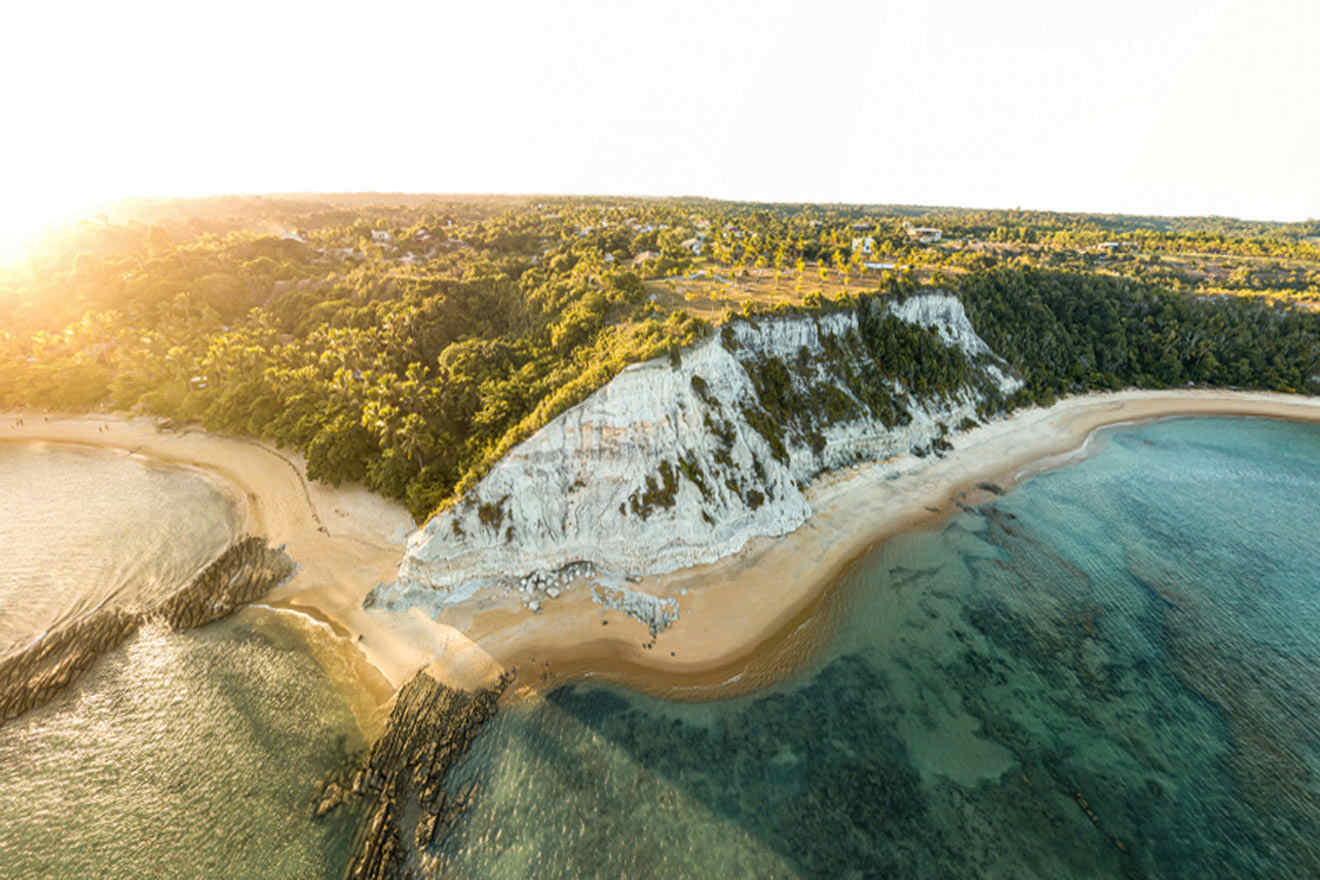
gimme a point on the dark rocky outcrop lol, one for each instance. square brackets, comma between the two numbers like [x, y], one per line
[402, 778]
[245, 572]
[32, 675]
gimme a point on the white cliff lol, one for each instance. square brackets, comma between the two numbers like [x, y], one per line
[667, 467]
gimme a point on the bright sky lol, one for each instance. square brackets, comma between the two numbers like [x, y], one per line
[1137, 106]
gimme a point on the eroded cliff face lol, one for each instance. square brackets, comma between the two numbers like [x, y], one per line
[670, 466]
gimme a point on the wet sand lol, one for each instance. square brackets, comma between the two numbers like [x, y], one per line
[745, 621]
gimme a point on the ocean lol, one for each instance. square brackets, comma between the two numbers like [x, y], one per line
[179, 754]
[1111, 671]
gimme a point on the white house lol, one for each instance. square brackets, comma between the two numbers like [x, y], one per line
[865, 244]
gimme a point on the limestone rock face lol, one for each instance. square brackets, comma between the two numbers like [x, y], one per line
[672, 466]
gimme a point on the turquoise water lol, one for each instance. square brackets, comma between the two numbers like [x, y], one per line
[1113, 671]
[179, 754]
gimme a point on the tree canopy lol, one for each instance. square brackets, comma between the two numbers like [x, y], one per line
[408, 342]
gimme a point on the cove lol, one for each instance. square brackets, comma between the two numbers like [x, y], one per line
[1113, 670]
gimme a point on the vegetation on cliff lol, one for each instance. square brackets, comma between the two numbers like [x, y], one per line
[409, 342]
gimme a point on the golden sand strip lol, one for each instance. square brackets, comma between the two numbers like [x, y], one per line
[744, 621]
[754, 617]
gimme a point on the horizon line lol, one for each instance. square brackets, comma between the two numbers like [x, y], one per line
[930, 207]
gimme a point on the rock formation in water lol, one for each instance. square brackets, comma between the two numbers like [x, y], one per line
[674, 464]
[430, 727]
[246, 571]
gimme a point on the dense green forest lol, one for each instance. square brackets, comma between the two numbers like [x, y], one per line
[409, 341]
[1068, 332]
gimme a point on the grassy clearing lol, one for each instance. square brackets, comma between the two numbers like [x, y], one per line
[709, 295]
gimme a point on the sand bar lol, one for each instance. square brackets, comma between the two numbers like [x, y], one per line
[745, 621]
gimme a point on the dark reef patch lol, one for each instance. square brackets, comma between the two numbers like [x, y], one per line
[402, 778]
[244, 572]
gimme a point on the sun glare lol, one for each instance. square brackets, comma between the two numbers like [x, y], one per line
[24, 222]
[16, 237]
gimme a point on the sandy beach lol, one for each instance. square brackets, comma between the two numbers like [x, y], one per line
[744, 622]
[753, 618]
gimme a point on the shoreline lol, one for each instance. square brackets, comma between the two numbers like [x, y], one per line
[746, 621]
[724, 645]
[339, 538]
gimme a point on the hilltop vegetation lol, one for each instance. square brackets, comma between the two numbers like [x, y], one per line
[1069, 332]
[407, 342]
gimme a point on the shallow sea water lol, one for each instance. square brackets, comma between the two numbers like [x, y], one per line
[1113, 671]
[179, 754]
[84, 527]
